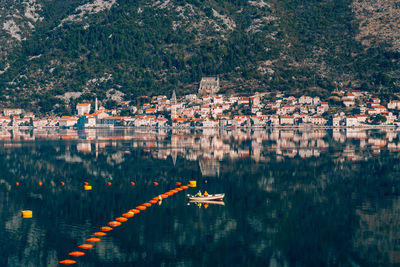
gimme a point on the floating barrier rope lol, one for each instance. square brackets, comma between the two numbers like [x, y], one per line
[118, 221]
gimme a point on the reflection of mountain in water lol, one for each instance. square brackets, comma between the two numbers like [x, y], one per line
[378, 235]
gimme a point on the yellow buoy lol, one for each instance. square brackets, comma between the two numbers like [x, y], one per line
[87, 187]
[192, 183]
[26, 214]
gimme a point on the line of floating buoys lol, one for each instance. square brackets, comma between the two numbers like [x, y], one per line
[86, 246]
[118, 220]
[76, 253]
[129, 214]
[93, 239]
[87, 186]
[100, 234]
[68, 262]
[114, 223]
[135, 211]
[106, 228]
[121, 219]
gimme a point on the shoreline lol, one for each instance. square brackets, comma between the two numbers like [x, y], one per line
[365, 127]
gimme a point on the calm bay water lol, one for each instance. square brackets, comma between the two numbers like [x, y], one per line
[293, 197]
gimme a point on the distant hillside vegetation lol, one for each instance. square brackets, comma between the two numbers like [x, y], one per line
[49, 48]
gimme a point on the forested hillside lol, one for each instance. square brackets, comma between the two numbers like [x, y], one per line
[49, 48]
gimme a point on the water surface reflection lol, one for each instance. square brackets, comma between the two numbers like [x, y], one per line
[293, 197]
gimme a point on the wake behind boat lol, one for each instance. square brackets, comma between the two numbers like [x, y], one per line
[213, 197]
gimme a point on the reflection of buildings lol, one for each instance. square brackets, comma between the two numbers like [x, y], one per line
[209, 167]
[259, 145]
[84, 147]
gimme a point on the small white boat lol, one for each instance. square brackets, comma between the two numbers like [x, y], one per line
[213, 197]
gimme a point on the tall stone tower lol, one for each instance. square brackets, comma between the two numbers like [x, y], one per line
[173, 105]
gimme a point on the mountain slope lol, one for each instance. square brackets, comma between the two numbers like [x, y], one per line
[151, 47]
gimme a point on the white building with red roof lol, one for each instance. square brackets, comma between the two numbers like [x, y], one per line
[82, 108]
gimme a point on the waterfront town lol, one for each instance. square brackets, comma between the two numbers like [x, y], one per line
[209, 109]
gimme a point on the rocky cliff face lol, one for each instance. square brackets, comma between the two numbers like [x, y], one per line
[378, 22]
[50, 48]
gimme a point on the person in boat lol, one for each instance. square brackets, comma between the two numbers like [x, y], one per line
[205, 194]
[198, 194]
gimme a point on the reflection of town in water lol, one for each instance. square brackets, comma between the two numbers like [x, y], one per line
[212, 145]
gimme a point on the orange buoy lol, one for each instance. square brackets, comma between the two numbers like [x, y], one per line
[99, 234]
[153, 201]
[108, 183]
[147, 204]
[76, 253]
[86, 246]
[174, 191]
[169, 194]
[17, 184]
[164, 195]
[156, 198]
[114, 224]
[178, 183]
[106, 228]
[179, 189]
[121, 219]
[86, 183]
[155, 183]
[40, 183]
[135, 211]
[93, 239]
[132, 183]
[67, 262]
[141, 207]
[184, 187]
[128, 214]
[62, 183]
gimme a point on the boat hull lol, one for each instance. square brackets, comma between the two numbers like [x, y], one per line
[214, 197]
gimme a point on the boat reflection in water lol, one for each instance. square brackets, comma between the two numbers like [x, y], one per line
[220, 202]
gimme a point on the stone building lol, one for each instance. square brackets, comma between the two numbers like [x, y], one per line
[209, 85]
